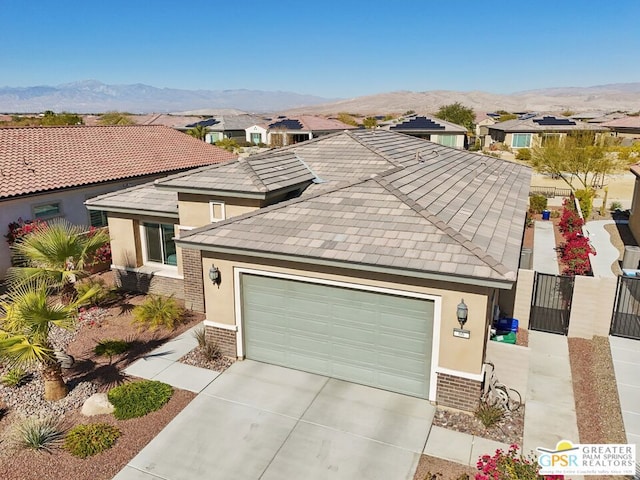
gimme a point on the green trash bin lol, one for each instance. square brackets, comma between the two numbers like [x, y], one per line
[505, 338]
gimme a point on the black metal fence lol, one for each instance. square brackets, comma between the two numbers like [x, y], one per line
[625, 321]
[551, 303]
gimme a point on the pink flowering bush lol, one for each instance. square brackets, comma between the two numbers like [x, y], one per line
[102, 254]
[20, 228]
[510, 466]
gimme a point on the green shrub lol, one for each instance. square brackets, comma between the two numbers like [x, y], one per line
[555, 214]
[41, 434]
[211, 351]
[228, 144]
[90, 439]
[157, 311]
[200, 334]
[523, 154]
[537, 203]
[489, 415]
[585, 197]
[14, 377]
[137, 399]
[102, 292]
[613, 206]
[109, 347]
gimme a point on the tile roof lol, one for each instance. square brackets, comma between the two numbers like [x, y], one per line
[431, 209]
[427, 124]
[143, 198]
[304, 123]
[626, 122]
[539, 124]
[37, 159]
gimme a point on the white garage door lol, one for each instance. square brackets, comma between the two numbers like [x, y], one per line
[366, 337]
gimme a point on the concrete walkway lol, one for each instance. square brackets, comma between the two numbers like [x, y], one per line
[545, 257]
[550, 414]
[262, 421]
[626, 364]
[606, 253]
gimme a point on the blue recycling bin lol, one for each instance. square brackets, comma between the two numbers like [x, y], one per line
[546, 214]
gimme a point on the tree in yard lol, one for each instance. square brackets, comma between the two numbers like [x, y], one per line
[55, 252]
[116, 118]
[199, 132]
[458, 114]
[347, 119]
[27, 315]
[370, 122]
[582, 156]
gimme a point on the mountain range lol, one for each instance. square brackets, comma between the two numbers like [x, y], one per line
[91, 96]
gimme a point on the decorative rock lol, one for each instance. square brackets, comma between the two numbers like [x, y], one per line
[97, 404]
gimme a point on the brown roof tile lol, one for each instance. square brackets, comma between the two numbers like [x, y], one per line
[38, 159]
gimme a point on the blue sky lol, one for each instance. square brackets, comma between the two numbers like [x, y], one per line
[328, 48]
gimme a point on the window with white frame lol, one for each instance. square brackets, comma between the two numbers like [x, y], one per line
[217, 211]
[159, 244]
[521, 140]
[47, 210]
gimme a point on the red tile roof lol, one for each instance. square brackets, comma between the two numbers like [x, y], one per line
[626, 122]
[37, 159]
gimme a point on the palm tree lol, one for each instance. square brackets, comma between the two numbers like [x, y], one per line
[199, 132]
[26, 317]
[56, 253]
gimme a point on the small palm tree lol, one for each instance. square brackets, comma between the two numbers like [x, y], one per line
[26, 317]
[55, 252]
[199, 132]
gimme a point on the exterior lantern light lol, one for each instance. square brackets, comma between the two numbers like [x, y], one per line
[462, 312]
[214, 275]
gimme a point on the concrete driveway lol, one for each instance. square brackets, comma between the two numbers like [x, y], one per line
[259, 421]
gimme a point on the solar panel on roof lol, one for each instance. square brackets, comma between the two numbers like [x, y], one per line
[554, 121]
[288, 123]
[204, 123]
[526, 116]
[418, 123]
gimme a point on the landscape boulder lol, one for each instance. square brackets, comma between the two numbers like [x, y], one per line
[96, 404]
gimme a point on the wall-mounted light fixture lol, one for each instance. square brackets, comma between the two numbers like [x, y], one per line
[214, 275]
[462, 312]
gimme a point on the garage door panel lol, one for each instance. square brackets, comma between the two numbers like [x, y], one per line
[355, 335]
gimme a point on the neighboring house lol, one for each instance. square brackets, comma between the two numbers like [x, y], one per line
[530, 130]
[634, 216]
[433, 129]
[282, 131]
[627, 127]
[226, 126]
[347, 256]
[49, 172]
[482, 122]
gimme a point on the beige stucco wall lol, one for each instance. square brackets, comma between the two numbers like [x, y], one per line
[455, 353]
[523, 295]
[591, 306]
[125, 241]
[634, 218]
[512, 365]
[194, 209]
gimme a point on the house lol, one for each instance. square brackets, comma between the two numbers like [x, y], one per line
[482, 122]
[226, 126]
[626, 127]
[351, 255]
[282, 130]
[48, 172]
[531, 130]
[436, 130]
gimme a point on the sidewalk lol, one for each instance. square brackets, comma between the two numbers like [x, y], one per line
[626, 364]
[606, 253]
[550, 414]
[545, 257]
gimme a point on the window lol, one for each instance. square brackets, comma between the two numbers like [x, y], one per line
[448, 140]
[521, 140]
[47, 210]
[217, 211]
[97, 218]
[256, 138]
[160, 247]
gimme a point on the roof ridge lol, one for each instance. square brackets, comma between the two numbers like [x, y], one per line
[478, 252]
[191, 171]
[253, 176]
[373, 149]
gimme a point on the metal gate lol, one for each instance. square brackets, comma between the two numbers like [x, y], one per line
[625, 321]
[551, 303]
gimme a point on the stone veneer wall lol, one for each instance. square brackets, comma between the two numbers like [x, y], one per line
[149, 283]
[224, 338]
[458, 392]
[193, 279]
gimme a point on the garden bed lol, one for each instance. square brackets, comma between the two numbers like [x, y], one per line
[90, 373]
